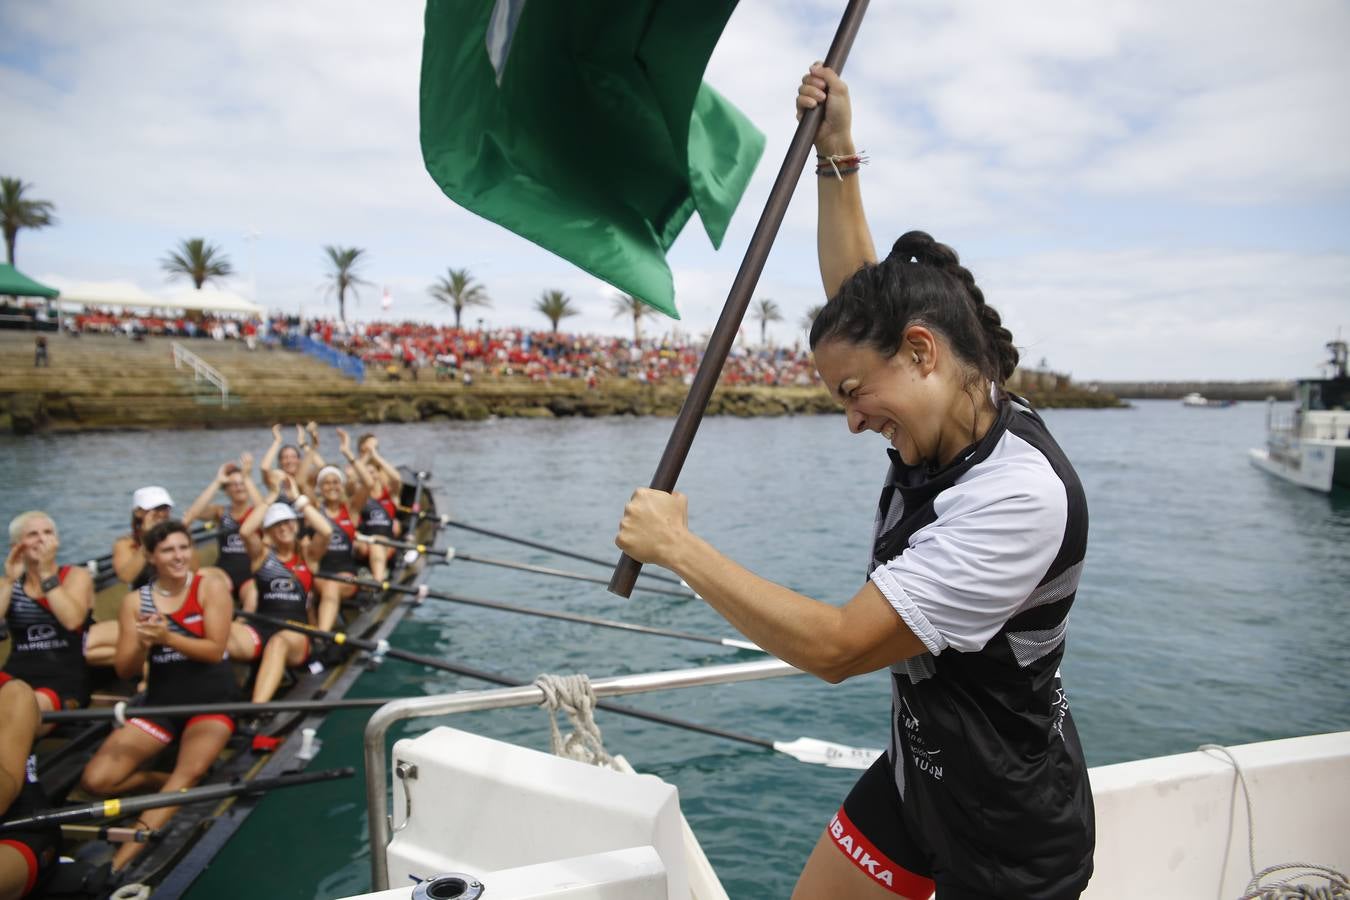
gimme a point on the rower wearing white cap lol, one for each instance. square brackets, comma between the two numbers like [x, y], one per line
[149, 506]
[283, 576]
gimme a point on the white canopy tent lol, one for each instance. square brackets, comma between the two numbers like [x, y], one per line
[212, 300]
[126, 295]
[106, 293]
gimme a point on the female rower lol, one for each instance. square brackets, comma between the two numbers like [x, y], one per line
[27, 858]
[283, 578]
[980, 539]
[341, 556]
[237, 483]
[374, 517]
[390, 481]
[149, 506]
[282, 460]
[48, 609]
[178, 624]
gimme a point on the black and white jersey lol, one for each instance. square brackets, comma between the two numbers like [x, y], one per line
[981, 560]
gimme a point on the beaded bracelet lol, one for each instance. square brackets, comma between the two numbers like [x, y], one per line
[839, 165]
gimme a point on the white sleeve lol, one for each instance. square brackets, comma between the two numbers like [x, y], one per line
[966, 573]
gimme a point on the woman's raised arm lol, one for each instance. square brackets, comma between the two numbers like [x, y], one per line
[843, 240]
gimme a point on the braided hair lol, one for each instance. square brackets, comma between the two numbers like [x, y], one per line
[921, 282]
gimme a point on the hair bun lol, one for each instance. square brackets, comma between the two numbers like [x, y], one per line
[916, 246]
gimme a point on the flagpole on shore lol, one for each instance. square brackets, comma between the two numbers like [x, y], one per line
[738, 299]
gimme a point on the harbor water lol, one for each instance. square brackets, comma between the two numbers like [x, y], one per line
[1213, 608]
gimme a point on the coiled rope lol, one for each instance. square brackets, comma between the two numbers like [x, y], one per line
[1337, 886]
[575, 697]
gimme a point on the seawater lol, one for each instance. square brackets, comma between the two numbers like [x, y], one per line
[1213, 606]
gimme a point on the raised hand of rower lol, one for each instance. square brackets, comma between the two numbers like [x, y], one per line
[14, 563]
[654, 523]
[821, 85]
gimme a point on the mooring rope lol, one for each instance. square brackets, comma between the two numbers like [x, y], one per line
[575, 697]
[1258, 888]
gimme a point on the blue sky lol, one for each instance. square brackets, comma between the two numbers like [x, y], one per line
[1143, 190]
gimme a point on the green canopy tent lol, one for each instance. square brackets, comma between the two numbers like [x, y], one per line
[14, 283]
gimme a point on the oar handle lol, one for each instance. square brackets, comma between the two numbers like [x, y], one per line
[738, 299]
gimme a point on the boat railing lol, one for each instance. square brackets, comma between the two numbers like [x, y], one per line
[377, 802]
[201, 370]
[1319, 425]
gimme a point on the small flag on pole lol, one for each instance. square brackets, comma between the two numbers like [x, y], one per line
[585, 127]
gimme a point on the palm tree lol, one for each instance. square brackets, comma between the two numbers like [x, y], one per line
[457, 290]
[766, 311]
[628, 305]
[18, 212]
[198, 260]
[810, 318]
[556, 305]
[343, 277]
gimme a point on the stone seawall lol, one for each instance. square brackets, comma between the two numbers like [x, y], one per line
[98, 383]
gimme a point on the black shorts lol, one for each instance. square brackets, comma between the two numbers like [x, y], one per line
[870, 829]
[66, 690]
[166, 729]
[41, 847]
[262, 633]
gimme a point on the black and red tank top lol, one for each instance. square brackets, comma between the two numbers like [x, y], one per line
[173, 678]
[283, 587]
[42, 646]
[232, 555]
[340, 555]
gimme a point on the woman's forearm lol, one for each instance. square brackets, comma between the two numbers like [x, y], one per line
[197, 649]
[843, 240]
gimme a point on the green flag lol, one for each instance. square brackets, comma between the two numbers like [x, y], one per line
[585, 127]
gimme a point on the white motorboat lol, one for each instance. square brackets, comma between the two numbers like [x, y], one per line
[475, 817]
[1200, 400]
[1311, 446]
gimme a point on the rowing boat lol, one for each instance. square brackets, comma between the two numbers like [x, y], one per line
[196, 834]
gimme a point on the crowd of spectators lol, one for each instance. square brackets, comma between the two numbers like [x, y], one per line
[416, 349]
[105, 321]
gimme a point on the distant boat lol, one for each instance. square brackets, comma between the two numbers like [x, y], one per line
[1195, 399]
[1311, 448]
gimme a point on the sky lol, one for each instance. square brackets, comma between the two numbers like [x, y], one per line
[1145, 191]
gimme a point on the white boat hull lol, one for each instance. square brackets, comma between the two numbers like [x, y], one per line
[1167, 827]
[1314, 464]
[1176, 826]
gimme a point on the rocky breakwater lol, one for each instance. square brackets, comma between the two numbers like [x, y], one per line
[514, 399]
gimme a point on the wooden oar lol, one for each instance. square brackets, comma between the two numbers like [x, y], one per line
[96, 713]
[451, 553]
[423, 592]
[121, 806]
[807, 750]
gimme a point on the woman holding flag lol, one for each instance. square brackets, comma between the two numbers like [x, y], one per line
[980, 536]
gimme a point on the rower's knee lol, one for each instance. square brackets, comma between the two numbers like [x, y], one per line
[99, 779]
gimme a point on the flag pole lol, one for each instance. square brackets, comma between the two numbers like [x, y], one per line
[738, 299]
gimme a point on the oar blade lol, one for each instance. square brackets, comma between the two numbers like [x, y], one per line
[828, 753]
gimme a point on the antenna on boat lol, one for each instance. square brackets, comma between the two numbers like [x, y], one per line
[1338, 356]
